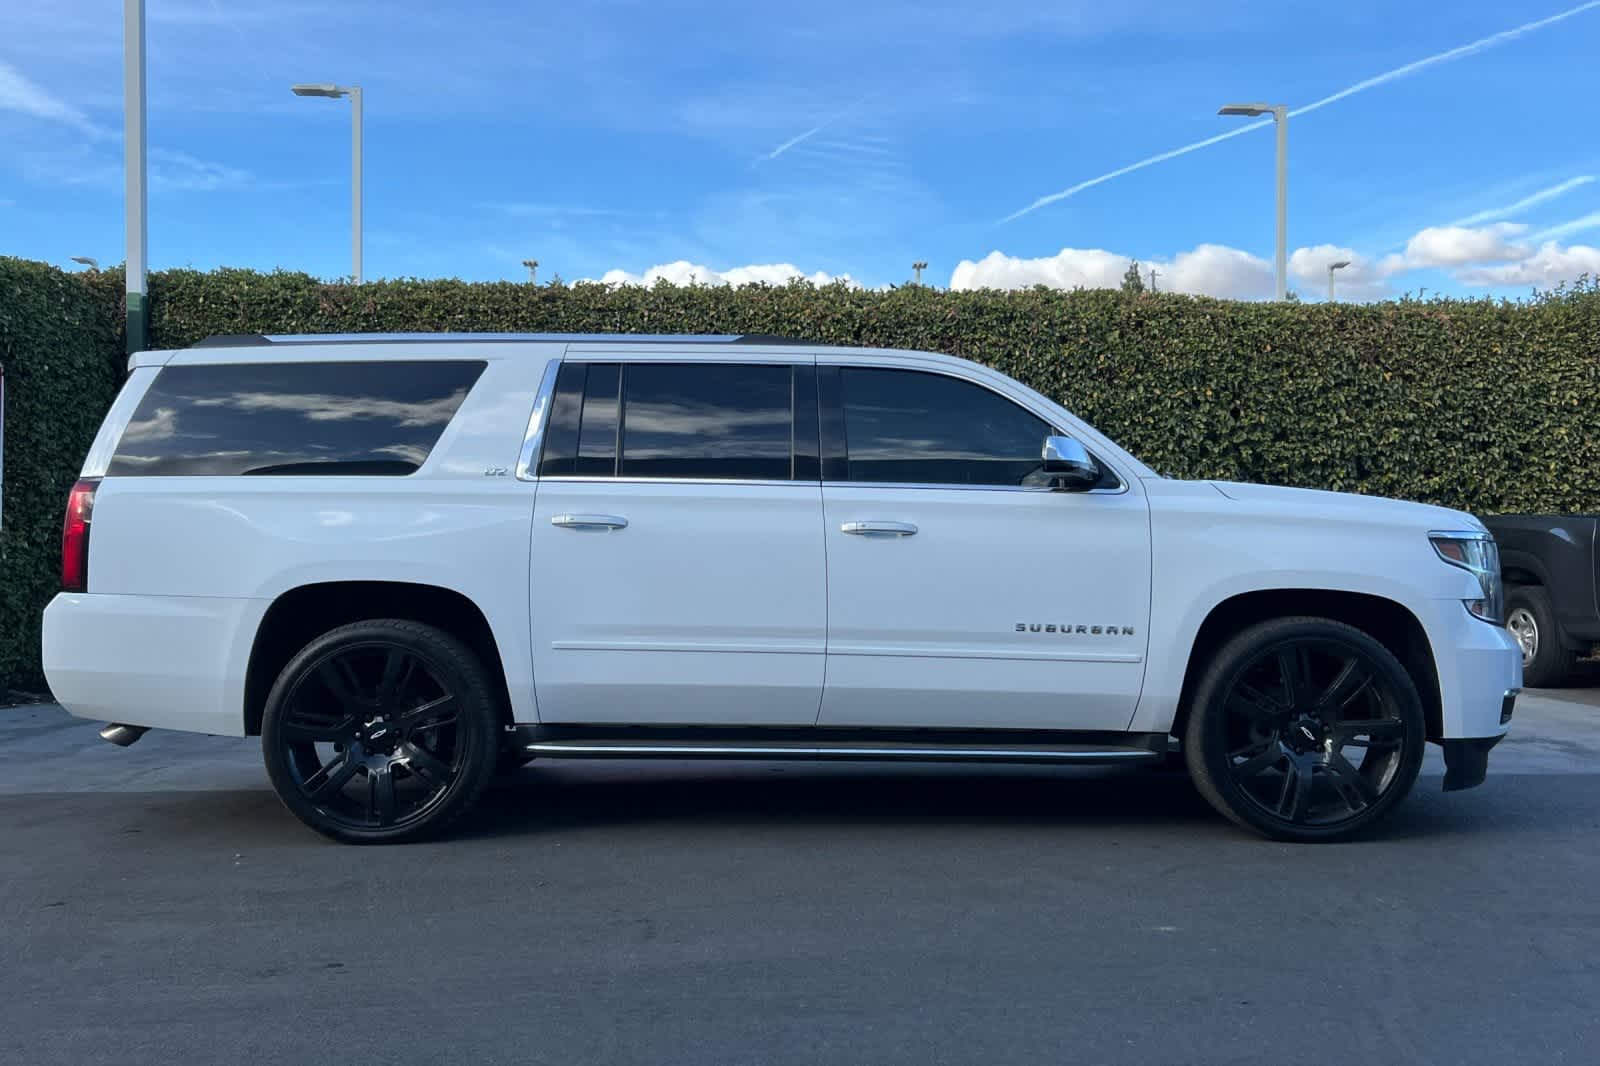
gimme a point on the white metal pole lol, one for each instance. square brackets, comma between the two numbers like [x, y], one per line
[1331, 269]
[1280, 117]
[355, 182]
[133, 146]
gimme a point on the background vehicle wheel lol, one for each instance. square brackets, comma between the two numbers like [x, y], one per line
[1305, 729]
[380, 732]
[1532, 622]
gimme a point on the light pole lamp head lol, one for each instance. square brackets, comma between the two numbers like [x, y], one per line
[530, 263]
[87, 260]
[319, 89]
[1254, 110]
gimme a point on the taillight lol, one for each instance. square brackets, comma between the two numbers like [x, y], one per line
[75, 536]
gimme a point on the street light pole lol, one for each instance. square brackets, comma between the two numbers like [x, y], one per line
[355, 181]
[1280, 118]
[133, 154]
[1340, 265]
[354, 93]
[533, 270]
[919, 266]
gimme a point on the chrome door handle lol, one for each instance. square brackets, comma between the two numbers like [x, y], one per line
[879, 529]
[589, 521]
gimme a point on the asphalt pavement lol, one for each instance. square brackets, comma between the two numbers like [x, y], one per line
[157, 904]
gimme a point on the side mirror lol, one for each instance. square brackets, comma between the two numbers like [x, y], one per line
[1070, 465]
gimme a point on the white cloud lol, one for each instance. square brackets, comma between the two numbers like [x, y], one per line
[1208, 270]
[20, 94]
[1360, 279]
[684, 272]
[1217, 270]
[1449, 246]
[181, 172]
[1071, 268]
[1552, 264]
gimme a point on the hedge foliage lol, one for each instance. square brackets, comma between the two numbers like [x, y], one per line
[59, 339]
[1484, 405]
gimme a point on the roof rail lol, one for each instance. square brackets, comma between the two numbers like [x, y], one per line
[230, 340]
[251, 340]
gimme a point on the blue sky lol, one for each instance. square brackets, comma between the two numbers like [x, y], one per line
[829, 138]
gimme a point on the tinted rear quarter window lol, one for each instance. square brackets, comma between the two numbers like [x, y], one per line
[373, 418]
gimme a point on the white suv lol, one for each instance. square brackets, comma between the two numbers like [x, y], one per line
[405, 560]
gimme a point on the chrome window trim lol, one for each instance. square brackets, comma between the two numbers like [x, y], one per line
[533, 439]
[1041, 489]
[632, 480]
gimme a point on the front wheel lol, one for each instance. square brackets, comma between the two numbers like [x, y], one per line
[1305, 729]
[380, 732]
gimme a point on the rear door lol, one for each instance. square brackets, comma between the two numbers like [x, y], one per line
[962, 591]
[677, 572]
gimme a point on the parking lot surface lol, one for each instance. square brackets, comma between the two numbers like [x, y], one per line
[159, 905]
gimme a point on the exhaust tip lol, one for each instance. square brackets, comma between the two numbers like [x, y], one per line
[123, 735]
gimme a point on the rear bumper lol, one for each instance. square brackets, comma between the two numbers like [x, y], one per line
[166, 662]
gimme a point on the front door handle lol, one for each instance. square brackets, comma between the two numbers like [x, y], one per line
[589, 521]
[879, 529]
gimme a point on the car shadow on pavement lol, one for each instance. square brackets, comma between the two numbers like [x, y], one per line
[542, 800]
[691, 799]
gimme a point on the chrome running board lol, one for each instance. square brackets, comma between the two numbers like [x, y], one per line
[869, 747]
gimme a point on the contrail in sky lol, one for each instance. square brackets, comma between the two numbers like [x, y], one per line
[824, 124]
[1462, 52]
[1567, 229]
[1526, 202]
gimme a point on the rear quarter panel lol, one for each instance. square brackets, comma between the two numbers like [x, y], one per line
[461, 522]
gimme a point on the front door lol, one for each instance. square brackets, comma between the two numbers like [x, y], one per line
[678, 574]
[962, 591]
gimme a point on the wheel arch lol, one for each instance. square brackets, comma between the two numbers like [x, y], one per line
[301, 614]
[1390, 623]
[1522, 568]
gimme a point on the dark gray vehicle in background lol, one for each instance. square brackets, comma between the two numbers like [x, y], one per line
[1550, 564]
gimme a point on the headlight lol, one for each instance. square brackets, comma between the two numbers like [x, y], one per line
[1477, 554]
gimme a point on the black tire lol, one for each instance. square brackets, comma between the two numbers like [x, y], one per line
[381, 732]
[1273, 715]
[1546, 662]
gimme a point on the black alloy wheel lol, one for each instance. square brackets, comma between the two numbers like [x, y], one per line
[1305, 729]
[380, 732]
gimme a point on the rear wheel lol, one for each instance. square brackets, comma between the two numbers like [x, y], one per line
[1305, 729]
[380, 732]
[1545, 660]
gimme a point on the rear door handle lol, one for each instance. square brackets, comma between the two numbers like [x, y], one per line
[879, 529]
[589, 521]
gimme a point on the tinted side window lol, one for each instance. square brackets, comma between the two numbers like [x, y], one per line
[909, 427]
[707, 420]
[293, 418]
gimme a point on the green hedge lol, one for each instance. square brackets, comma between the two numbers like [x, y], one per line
[1483, 405]
[59, 342]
